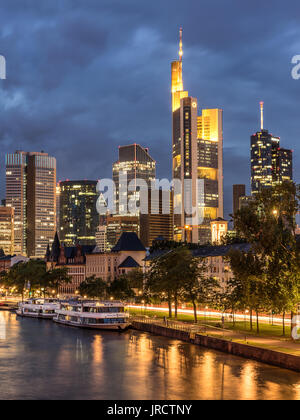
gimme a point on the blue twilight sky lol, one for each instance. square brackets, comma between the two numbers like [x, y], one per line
[85, 76]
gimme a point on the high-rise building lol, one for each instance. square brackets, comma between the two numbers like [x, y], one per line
[7, 230]
[158, 222]
[210, 168]
[197, 143]
[57, 206]
[270, 164]
[116, 225]
[16, 186]
[79, 218]
[30, 190]
[101, 238]
[238, 191]
[136, 164]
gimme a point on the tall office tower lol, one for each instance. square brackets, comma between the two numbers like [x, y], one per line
[185, 169]
[238, 191]
[7, 230]
[210, 168]
[101, 238]
[136, 163]
[57, 206]
[41, 203]
[30, 190]
[158, 222]
[79, 218]
[116, 225]
[16, 185]
[270, 165]
[198, 158]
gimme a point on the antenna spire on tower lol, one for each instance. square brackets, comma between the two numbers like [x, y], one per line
[180, 45]
[261, 115]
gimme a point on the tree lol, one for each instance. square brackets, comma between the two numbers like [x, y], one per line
[248, 287]
[167, 276]
[120, 289]
[93, 287]
[136, 279]
[56, 278]
[196, 287]
[268, 225]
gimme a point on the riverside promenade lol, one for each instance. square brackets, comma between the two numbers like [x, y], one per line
[281, 352]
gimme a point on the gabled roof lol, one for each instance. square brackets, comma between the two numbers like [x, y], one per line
[128, 241]
[204, 251]
[70, 251]
[129, 262]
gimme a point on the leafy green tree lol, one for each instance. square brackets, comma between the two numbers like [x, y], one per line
[56, 278]
[197, 288]
[248, 287]
[167, 275]
[268, 224]
[120, 289]
[93, 287]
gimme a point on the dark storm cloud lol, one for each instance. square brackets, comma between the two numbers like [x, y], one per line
[86, 76]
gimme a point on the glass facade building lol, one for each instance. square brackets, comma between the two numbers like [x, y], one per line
[7, 230]
[136, 164]
[197, 152]
[31, 191]
[78, 217]
[270, 164]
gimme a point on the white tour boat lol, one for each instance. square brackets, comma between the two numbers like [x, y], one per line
[96, 315]
[38, 308]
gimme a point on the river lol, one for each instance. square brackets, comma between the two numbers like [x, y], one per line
[43, 360]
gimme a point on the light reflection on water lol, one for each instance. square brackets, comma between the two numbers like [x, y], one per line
[42, 360]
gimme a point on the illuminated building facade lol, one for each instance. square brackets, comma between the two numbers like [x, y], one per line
[158, 222]
[16, 184]
[101, 238]
[79, 218]
[57, 206]
[31, 191]
[219, 229]
[270, 164]
[136, 163]
[7, 230]
[210, 168]
[117, 225]
[197, 143]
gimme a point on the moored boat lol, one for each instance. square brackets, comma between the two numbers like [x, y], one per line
[105, 315]
[38, 308]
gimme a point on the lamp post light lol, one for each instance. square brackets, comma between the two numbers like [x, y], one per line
[142, 306]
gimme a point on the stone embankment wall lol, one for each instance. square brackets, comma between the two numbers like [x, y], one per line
[283, 360]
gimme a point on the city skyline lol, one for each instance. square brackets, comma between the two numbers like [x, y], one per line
[72, 107]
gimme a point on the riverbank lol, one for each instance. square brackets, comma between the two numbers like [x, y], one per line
[267, 328]
[199, 335]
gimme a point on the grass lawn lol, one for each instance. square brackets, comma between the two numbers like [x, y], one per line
[265, 329]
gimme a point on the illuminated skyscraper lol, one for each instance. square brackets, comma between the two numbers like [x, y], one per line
[136, 163]
[7, 230]
[30, 190]
[210, 168]
[79, 218]
[197, 152]
[270, 164]
[16, 183]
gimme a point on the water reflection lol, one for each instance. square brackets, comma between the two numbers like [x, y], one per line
[42, 360]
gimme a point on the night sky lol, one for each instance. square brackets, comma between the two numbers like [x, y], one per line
[86, 76]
